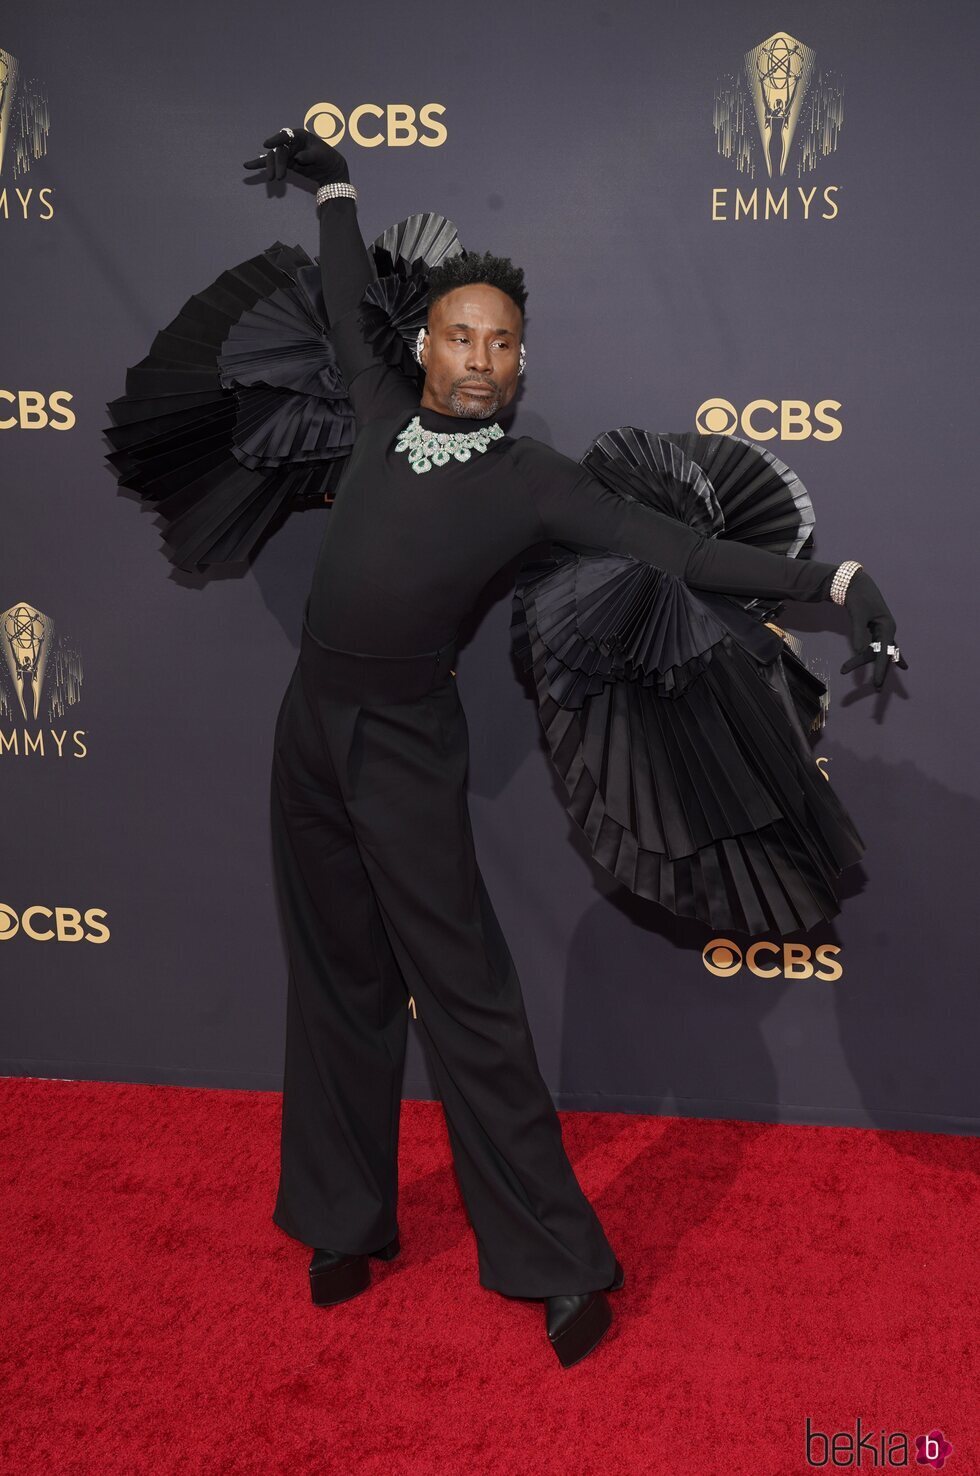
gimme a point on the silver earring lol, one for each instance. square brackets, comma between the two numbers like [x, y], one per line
[522, 361]
[418, 345]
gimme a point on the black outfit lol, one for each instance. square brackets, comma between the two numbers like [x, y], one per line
[380, 891]
[406, 555]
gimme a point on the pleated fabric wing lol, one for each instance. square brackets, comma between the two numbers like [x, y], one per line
[678, 720]
[395, 307]
[239, 413]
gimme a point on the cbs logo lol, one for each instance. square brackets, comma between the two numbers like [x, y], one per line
[55, 924]
[723, 958]
[31, 413]
[397, 125]
[763, 420]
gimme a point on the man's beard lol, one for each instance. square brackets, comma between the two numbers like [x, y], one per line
[480, 406]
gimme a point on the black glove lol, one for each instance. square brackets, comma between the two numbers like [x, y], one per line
[866, 606]
[308, 155]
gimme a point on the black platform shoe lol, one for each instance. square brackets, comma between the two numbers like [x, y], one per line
[576, 1323]
[336, 1277]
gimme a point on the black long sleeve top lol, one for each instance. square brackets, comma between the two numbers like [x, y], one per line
[405, 555]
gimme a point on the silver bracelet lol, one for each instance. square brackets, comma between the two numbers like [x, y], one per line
[335, 191]
[845, 573]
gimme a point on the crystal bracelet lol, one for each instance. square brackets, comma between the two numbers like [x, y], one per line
[845, 573]
[335, 191]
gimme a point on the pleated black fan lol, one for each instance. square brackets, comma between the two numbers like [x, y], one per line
[240, 412]
[677, 719]
[724, 486]
[395, 306]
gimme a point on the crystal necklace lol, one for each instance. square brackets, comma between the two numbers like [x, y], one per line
[427, 449]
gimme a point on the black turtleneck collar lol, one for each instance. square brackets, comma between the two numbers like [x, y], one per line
[434, 420]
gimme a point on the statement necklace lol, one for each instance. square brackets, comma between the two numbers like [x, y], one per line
[427, 449]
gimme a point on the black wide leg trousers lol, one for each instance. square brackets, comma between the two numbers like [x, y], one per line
[381, 898]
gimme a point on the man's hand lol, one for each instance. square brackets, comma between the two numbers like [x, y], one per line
[304, 153]
[866, 606]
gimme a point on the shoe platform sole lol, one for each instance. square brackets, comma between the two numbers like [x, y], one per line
[349, 1278]
[578, 1339]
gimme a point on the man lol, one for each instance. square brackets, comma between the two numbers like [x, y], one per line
[380, 891]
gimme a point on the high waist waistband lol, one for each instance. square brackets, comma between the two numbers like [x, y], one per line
[365, 678]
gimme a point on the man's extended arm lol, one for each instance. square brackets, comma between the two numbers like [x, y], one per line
[575, 507]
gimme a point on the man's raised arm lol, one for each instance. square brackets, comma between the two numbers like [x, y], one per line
[346, 270]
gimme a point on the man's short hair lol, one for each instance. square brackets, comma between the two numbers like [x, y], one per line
[470, 267]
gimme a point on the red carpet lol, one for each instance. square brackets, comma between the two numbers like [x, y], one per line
[157, 1321]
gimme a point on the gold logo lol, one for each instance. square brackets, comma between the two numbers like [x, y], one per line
[27, 639]
[779, 95]
[40, 679]
[396, 124]
[24, 125]
[778, 72]
[33, 410]
[765, 420]
[776, 118]
[766, 960]
[24, 116]
[54, 924]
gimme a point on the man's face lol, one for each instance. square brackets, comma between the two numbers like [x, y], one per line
[471, 350]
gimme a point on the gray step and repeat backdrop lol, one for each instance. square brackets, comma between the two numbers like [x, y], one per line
[791, 258]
